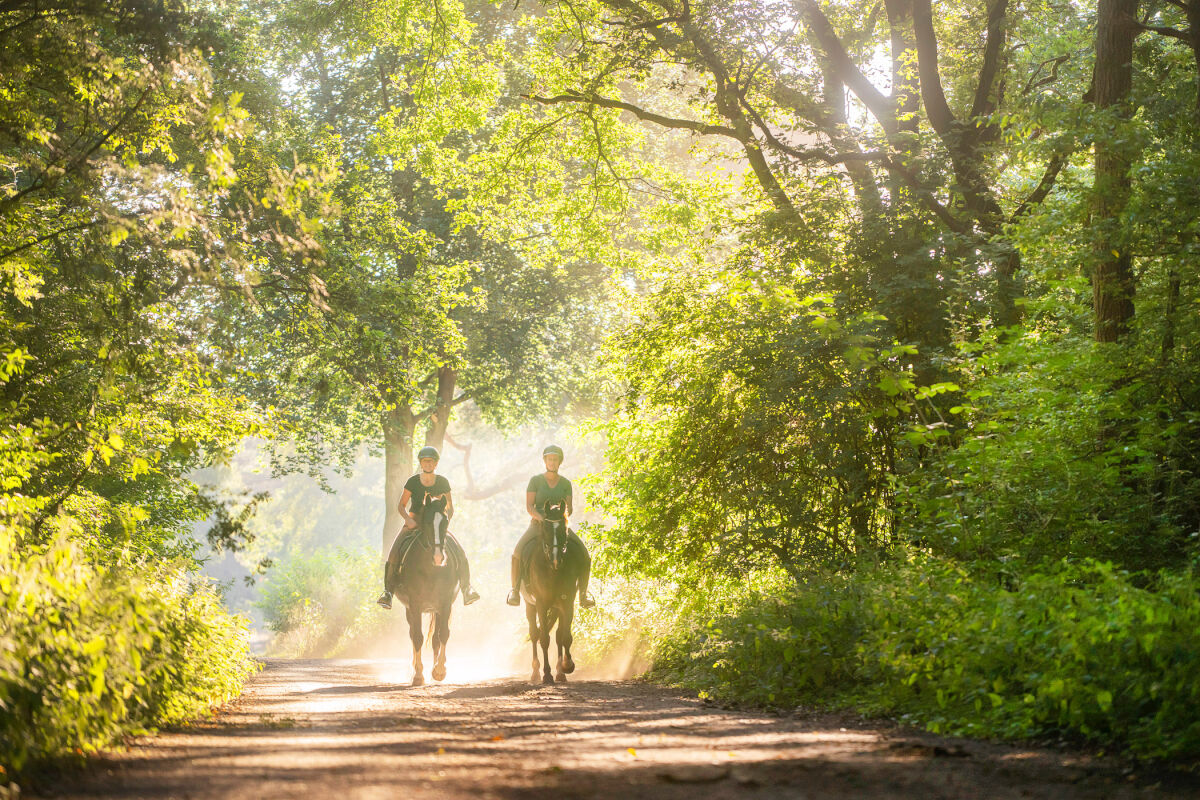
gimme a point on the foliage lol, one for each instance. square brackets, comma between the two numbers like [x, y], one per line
[756, 429]
[1080, 651]
[321, 601]
[1037, 469]
[90, 653]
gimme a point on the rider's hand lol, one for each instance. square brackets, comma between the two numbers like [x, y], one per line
[410, 524]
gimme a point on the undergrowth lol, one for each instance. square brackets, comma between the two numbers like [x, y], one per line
[1083, 652]
[91, 653]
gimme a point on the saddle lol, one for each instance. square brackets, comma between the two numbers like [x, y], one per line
[405, 543]
[526, 555]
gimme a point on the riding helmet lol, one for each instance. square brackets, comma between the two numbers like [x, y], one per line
[552, 449]
[429, 451]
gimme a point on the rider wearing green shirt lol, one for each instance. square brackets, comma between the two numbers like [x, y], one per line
[544, 489]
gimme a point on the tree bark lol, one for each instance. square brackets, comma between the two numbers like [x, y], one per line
[906, 97]
[439, 420]
[1112, 278]
[399, 424]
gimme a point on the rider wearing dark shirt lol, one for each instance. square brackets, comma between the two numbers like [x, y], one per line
[545, 489]
[416, 494]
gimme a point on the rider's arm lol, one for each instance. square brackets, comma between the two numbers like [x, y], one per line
[449, 506]
[409, 522]
[570, 506]
[530, 498]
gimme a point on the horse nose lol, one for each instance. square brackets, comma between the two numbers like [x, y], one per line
[439, 557]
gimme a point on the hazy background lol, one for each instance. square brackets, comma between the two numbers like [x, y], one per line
[321, 536]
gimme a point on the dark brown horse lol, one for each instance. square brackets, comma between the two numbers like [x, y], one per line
[429, 582]
[555, 566]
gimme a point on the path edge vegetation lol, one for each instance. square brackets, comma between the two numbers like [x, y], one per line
[904, 419]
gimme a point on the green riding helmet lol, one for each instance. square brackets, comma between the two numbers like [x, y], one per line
[552, 449]
[429, 451]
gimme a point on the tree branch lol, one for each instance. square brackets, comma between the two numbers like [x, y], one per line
[1057, 162]
[984, 104]
[1164, 30]
[702, 128]
[847, 71]
[932, 94]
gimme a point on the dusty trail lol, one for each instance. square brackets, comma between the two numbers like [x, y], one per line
[349, 729]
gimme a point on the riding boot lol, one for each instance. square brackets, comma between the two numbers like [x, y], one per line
[585, 599]
[468, 594]
[385, 599]
[514, 597]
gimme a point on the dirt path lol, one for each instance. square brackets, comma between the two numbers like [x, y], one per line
[347, 729]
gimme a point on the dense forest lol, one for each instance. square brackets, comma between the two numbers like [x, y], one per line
[883, 314]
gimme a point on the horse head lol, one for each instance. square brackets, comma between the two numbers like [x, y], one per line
[554, 533]
[434, 525]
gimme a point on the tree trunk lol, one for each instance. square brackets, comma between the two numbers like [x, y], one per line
[1193, 17]
[439, 420]
[906, 88]
[1112, 279]
[399, 425]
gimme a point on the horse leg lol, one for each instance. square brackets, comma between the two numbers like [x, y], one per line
[547, 624]
[564, 638]
[534, 636]
[418, 641]
[441, 635]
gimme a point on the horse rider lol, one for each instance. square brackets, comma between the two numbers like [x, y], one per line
[544, 489]
[425, 487]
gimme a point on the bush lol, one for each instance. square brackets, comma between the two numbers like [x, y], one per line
[322, 603]
[88, 653]
[1079, 651]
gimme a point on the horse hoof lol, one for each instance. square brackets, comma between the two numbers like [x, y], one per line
[439, 673]
[561, 677]
[536, 677]
[569, 667]
[418, 680]
[547, 678]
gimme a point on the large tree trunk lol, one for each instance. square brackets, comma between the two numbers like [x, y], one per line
[1112, 279]
[399, 425]
[439, 420]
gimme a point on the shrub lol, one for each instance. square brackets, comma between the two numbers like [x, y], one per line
[321, 603]
[88, 653]
[1078, 651]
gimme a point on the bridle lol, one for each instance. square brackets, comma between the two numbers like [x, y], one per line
[554, 534]
[434, 518]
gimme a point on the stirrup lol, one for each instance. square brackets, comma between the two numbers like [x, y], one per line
[469, 596]
[586, 600]
[385, 599]
[514, 598]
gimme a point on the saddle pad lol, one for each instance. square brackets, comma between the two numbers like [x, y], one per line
[451, 555]
[531, 548]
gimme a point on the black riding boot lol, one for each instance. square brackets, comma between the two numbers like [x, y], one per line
[469, 595]
[514, 597]
[585, 599]
[385, 599]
